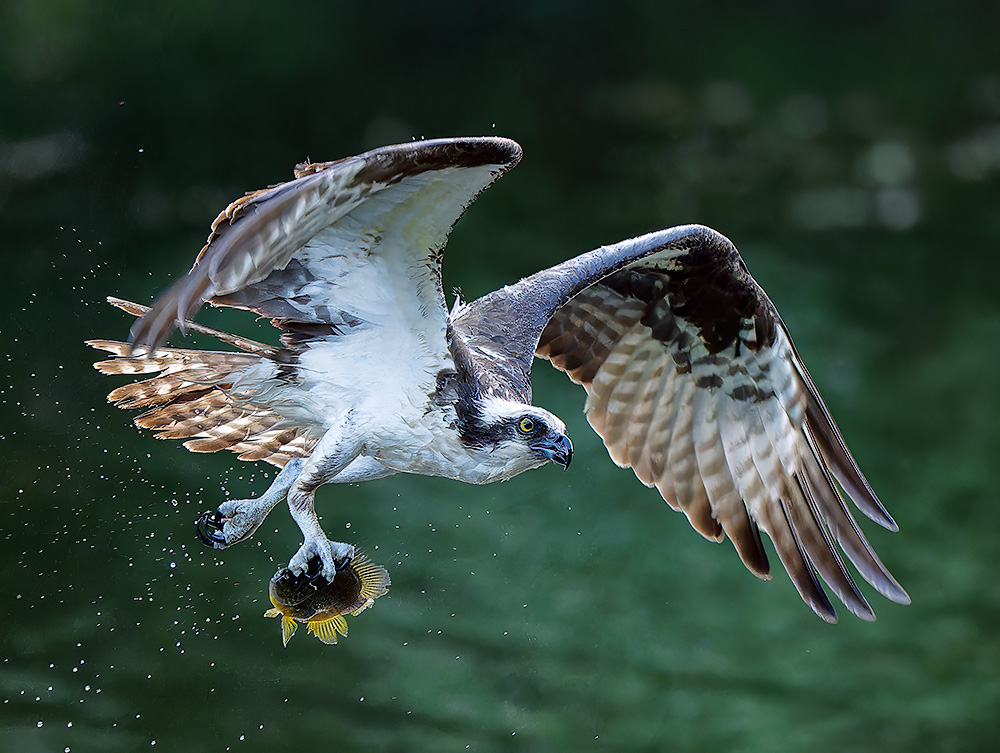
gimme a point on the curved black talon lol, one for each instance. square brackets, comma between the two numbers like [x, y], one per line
[314, 567]
[313, 574]
[208, 526]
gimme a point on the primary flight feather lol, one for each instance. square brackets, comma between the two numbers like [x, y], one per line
[691, 377]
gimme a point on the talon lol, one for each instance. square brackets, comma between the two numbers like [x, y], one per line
[314, 573]
[208, 526]
[314, 567]
[314, 561]
[345, 563]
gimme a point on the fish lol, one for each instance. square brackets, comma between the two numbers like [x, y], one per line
[320, 603]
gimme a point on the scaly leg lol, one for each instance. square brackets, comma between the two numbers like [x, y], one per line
[336, 451]
[315, 544]
[237, 519]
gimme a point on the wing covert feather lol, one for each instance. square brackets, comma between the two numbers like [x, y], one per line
[427, 184]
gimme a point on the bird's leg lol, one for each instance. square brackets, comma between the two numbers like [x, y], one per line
[337, 449]
[237, 519]
[333, 555]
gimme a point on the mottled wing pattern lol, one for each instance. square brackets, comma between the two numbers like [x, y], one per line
[494, 337]
[289, 251]
[351, 247]
[693, 382]
[191, 398]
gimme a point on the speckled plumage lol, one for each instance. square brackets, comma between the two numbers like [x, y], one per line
[691, 377]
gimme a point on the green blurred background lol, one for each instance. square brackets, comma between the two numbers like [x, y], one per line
[852, 152]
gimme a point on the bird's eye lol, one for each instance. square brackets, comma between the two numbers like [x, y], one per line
[526, 426]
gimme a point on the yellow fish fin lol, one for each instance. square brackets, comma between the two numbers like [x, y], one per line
[326, 630]
[272, 613]
[374, 578]
[288, 628]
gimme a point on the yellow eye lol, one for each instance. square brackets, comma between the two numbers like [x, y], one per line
[526, 426]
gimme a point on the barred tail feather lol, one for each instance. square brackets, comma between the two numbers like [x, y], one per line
[191, 398]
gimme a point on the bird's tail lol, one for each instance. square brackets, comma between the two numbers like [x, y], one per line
[192, 397]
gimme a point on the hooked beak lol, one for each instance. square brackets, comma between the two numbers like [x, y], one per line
[558, 449]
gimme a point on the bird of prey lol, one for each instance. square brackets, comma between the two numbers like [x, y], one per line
[691, 378]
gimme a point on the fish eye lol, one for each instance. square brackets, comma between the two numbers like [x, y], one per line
[526, 425]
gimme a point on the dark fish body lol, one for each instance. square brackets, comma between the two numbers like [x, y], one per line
[321, 604]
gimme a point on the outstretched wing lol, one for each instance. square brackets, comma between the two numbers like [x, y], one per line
[693, 382]
[345, 260]
[346, 243]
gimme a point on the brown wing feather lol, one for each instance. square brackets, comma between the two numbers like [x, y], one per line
[692, 381]
[192, 398]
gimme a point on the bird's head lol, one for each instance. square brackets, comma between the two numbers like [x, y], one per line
[517, 436]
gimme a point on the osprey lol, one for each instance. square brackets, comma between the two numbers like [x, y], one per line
[691, 377]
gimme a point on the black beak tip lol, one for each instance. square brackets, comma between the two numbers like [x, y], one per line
[558, 450]
[565, 456]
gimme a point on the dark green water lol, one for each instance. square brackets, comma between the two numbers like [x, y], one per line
[853, 156]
